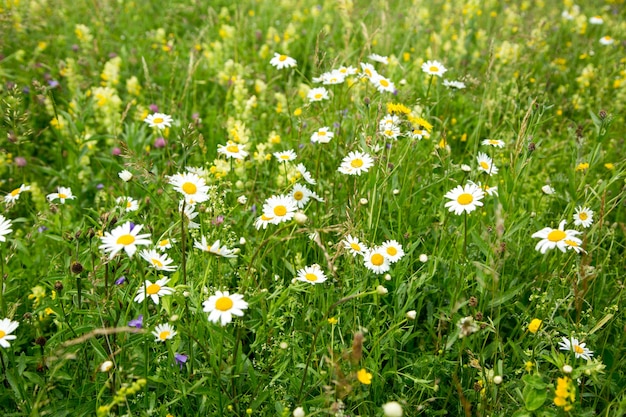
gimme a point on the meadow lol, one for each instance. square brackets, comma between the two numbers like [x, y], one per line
[312, 208]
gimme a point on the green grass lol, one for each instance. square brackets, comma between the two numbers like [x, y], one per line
[73, 102]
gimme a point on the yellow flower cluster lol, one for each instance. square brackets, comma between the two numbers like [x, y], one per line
[565, 393]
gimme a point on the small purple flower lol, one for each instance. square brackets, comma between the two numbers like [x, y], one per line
[136, 323]
[120, 280]
[336, 125]
[253, 208]
[26, 90]
[42, 229]
[180, 359]
[112, 55]
[75, 48]
[218, 220]
[53, 83]
[116, 152]
[160, 143]
[100, 186]
[132, 226]
[20, 161]
[154, 108]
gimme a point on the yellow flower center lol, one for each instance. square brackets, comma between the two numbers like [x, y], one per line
[15, 192]
[265, 218]
[189, 188]
[311, 277]
[282, 58]
[571, 242]
[232, 148]
[298, 195]
[129, 204]
[280, 210]
[377, 259]
[433, 69]
[153, 289]
[285, 157]
[164, 242]
[493, 142]
[157, 262]
[321, 133]
[556, 235]
[2, 334]
[157, 120]
[356, 163]
[224, 304]
[465, 199]
[318, 96]
[582, 216]
[368, 72]
[125, 240]
[579, 350]
[164, 334]
[392, 251]
[63, 196]
[484, 165]
[384, 83]
[355, 246]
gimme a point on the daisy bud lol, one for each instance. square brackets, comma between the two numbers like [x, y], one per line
[548, 189]
[381, 290]
[396, 191]
[242, 240]
[284, 345]
[299, 412]
[392, 409]
[466, 168]
[402, 82]
[497, 379]
[106, 366]
[411, 314]
[423, 258]
[300, 217]
[242, 199]
[387, 277]
[239, 184]
[567, 369]
[363, 201]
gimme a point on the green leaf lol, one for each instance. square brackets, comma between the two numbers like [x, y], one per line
[534, 398]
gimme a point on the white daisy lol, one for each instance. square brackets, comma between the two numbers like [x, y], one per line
[282, 61]
[464, 199]
[161, 262]
[379, 58]
[573, 345]
[548, 189]
[607, 40]
[390, 132]
[376, 260]
[583, 217]
[64, 193]
[322, 135]
[491, 191]
[6, 328]
[434, 68]
[457, 85]
[163, 332]
[232, 150]
[485, 164]
[301, 195]
[215, 248]
[347, 70]
[596, 20]
[368, 70]
[305, 174]
[493, 142]
[383, 84]
[312, 274]
[128, 203]
[333, 77]
[354, 245]
[262, 221]
[392, 250]
[390, 120]
[279, 208]
[191, 186]
[190, 213]
[555, 238]
[419, 133]
[159, 120]
[356, 163]
[154, 291]
[5, 228]
[317, 94]
[165, 244]
[125, 175]
[125, 237]
[223, 306]
[14, 195]
[285, 156]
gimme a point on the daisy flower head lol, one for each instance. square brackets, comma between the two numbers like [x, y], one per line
[14, 195]
[434, 68]
[490, 191]
[317, 94]
[64, 193]
[376, 260]
[607, 40]
[583, 217]
[280, 208]
[285, 156]
[548, 189]
[368, 70]
[215, 248]
[388, 121]
[383, 84]
[596, 20]
[556, 238]
[392, 250]
[347, 70]
[493, 142]
[124, 237]
[165, 244]
[579, 349]
[305, 174]
[301, 195]
[223, 306]
[6, 328]
[454, 85]
[232, 150]
[125, 175]
[153, 290]
[191, 186]
[485, 164]
[129, 204]
[163, 332]
[312, 274]
[159, 120]
[356, 163]
[322, 135]
[190, 213]
[390, 132]
[262, 221]
[464, 198]
[159, 261]
[379, 58]
[5, 228]
[419, 133]
[281, 61]
[333, 77]
[354, 245]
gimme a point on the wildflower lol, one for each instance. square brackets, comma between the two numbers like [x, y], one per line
[393, 251]
[534, 325]
[368, 70]
[411, 314]
[364, 377]
[317, 94]
[161, 262]
[493, 142]
[382, 290]
[555, 238]
[465, 198]
[392, 409]
[379, 58]
[125, 237]
[6, 328]
[63, 194]
[121, 280]
[232, 150]
[136, 323]
[354, 245]
[596, 20]
[457, 85]
[376, 261]
[382, 84]
[423, 258]
[125, 175]
[491, 191]
[299, 412]
[388, 121]
[565, 393]
[579, 349]
[467, 326]
[355, 163]
[215, 248]
[547, 189]
[285, 156]
[165, 244]
[312, 274]
[180, 359]
[610, 166]
[191, 186]
[485, 164]
[583, 217]
[222, 306]
[305, 174]
[567, 369]
[434, 68]
[154, 291]
[279, 208]
[583, 166]
[322, 135]
[159, 120]
[5, 228]
[391, 132]
[105, 366]
[263, 221]
[607, 40]
[14, 195]
[163, 332]
[282, 61]
[129, 204]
